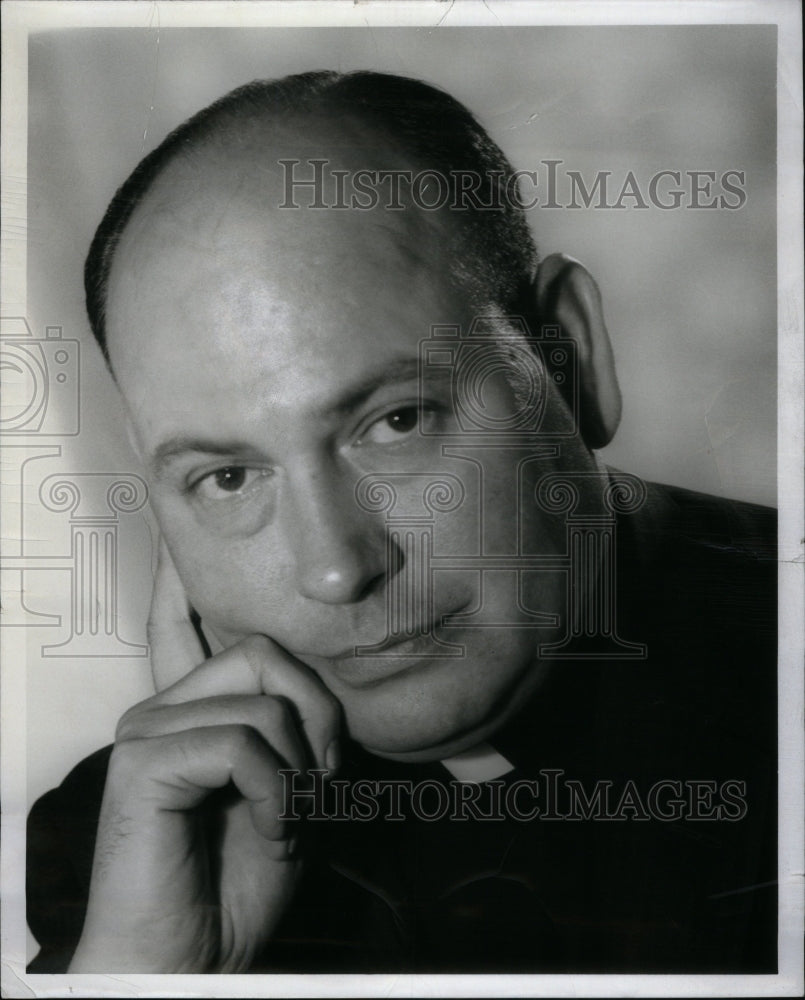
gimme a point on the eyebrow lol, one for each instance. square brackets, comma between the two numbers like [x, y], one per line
[182, 444]
[355, 396]
[403, 370]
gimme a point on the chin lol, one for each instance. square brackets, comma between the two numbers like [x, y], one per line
[433, 711]
[410, 749]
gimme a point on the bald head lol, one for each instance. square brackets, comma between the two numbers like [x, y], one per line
[230, 153]
[210, 240]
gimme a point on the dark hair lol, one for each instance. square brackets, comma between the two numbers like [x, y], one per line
[493, 254]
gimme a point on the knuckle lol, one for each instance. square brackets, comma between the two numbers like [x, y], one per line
[273, 712]
[129, 724]
[127, 761]
[257, 650]
[240, 741]
[256, 645]
[124, 728]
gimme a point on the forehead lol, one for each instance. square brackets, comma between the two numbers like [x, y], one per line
[228, 204]
[214, 283]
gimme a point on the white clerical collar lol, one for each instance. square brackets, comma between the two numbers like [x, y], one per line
[482, 763]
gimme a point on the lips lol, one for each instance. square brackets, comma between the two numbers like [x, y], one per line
[369, 671]
[415, 642]
[395, 658]
[409, 645]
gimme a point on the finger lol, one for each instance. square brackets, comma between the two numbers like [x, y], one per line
[215, 644]
[258, 666]
[273, 718]
[175, 773]
[175, 647]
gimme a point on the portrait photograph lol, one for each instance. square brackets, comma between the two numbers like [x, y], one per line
[402, 458]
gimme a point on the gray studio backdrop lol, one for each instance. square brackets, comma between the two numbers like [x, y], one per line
[690, 294]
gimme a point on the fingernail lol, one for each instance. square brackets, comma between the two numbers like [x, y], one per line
[332, 756]
[291, 846]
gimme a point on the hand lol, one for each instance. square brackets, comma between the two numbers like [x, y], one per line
[187, 878]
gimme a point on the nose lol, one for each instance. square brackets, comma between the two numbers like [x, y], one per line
[339, 550]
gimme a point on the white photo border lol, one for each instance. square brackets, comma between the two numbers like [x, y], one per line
[22, 18]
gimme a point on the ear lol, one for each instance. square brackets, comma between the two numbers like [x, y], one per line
[565, 293]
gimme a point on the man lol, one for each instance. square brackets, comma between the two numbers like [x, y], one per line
[269, 350]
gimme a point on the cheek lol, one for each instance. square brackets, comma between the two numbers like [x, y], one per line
[240, 597]
[223, 598]
[238, 587]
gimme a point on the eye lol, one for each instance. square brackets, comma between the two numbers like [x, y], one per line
[395, 425]
[232, 481]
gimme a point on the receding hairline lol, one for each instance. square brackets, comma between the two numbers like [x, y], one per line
[284, 149]
[418, 122]
[202, 184]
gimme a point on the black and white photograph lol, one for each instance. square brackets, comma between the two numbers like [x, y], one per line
[402, 449]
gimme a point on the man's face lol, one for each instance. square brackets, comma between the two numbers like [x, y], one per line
[268, 360]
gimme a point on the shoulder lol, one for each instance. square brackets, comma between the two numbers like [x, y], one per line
[692, 719]
[694, 563]
[725, 527]
[697, 584]
[750, 526]
[60, 844]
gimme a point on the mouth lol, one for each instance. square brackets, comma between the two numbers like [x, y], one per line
[358, 666]
[419, 643]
